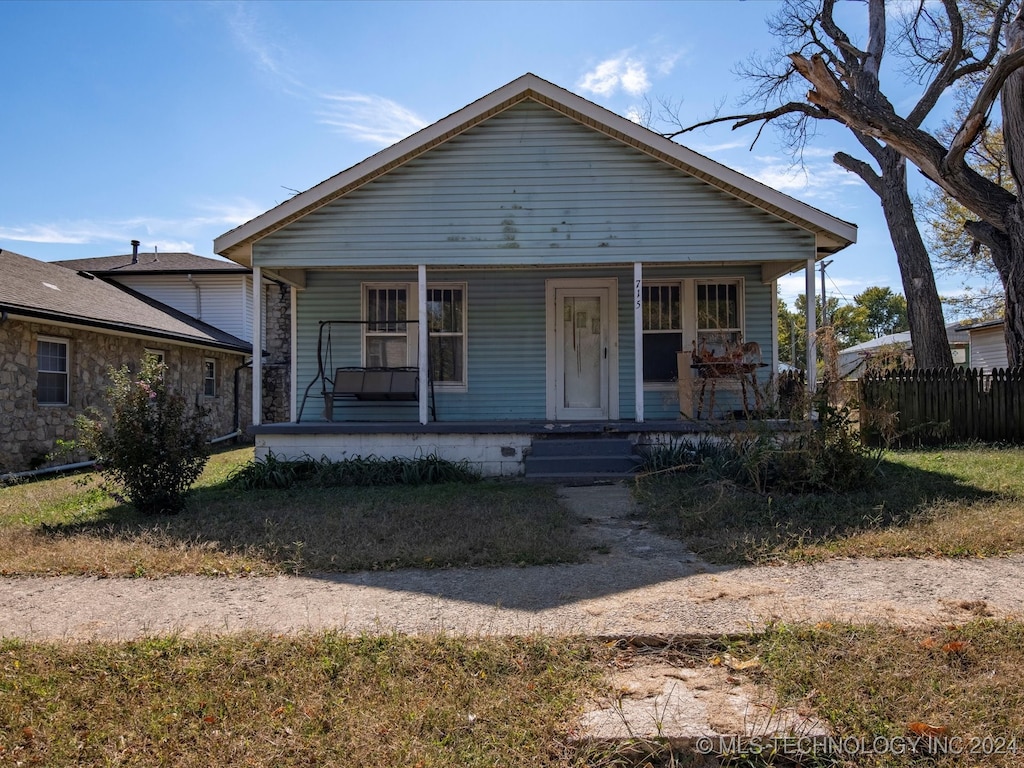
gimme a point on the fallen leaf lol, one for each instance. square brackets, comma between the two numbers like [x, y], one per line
[956, 646]
[926, 729]
[210, 720]
[927, 643]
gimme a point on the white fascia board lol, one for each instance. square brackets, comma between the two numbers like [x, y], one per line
[831, 232]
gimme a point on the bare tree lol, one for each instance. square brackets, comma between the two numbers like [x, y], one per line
[940, 47]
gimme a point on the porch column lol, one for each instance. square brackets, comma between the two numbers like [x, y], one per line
[293, 356]
[421, 277]
[812, 329]
[638, 339]
[257, 346]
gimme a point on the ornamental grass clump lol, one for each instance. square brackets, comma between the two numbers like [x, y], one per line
[153, 446]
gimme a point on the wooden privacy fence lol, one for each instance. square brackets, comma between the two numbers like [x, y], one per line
[936, 407]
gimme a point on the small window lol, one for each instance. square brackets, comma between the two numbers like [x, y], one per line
[52, 371]
[661, 308]
[156, 354]
[446, 323]
[719, 323]
[387, 336]
[210, 377]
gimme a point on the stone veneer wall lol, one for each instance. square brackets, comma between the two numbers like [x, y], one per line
[277, 363]
[28, 431]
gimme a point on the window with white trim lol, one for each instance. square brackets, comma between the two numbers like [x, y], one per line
[662, 309]
[446, 326]
[386, 335]
[389, 340]
[52, 380]
[719, 314]
[210, 377]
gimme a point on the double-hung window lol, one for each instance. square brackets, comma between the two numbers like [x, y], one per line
[446, 328]
[52, 371]
[210, 377]
[386, 332]
[685, 314]
[390, 340]
[719, 317]
[662, 311]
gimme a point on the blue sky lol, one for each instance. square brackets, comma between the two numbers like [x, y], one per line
[173, 122]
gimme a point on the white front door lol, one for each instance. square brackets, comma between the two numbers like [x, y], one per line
[582, 350]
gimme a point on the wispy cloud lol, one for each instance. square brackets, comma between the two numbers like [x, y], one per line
[629, 71]
[816, 178]
[625, 72]
[373, 119]
[252, 37]
[167, 234]
[362, 117]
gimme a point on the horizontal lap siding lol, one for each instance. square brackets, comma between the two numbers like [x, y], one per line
[530, 186]
[506, 317]
[505, 357]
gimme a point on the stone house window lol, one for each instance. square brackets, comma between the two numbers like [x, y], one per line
[52, 371]
[210, 377]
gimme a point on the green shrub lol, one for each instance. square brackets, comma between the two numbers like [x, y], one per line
[153, 447]
[825, 455]
[274, 472]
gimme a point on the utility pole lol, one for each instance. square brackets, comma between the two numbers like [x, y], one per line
[824, 304]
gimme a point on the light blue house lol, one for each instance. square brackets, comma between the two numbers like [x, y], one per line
[544, 259]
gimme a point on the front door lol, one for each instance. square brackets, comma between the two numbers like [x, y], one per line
[583, 352]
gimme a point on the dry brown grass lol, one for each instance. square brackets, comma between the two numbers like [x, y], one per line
[309, 700]
[957, 502]
[965, 682]
[68, 526]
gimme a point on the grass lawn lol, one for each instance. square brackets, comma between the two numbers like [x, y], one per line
[957, 502]
[309, 700]
[68, 525]
[891, 689]
[327, 699]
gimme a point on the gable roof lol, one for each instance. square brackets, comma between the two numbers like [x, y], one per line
[49, 292]
[831, 234]
[153, 264]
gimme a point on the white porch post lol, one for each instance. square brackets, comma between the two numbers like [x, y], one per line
[293, 356]
[257, 346]
[422, 328]
[638, 339]
[812, 329]
[775, 328]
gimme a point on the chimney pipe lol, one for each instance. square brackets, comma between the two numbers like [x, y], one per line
[135, 251]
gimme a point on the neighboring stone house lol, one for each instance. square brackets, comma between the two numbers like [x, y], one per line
[217, 292]
[60, 333]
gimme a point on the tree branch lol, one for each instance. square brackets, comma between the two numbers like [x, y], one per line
[793, 107]
[862, 169]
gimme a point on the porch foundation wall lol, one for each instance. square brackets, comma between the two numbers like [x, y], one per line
[491, 455]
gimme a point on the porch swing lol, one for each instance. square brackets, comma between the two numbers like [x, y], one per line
[376, 385]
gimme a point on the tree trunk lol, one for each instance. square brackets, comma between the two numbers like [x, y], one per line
[1008, 258]
[1012, 103]
[924, 309]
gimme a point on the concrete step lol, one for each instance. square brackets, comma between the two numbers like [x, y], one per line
[600, 446]
[579, 459]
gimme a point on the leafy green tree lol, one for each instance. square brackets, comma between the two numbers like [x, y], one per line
[885, 312]
[153, 446]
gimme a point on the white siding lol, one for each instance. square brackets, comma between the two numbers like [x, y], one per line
[214, 299]
[532, 187]
[988, 348]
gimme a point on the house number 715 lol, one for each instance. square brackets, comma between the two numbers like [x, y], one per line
[638, 294]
